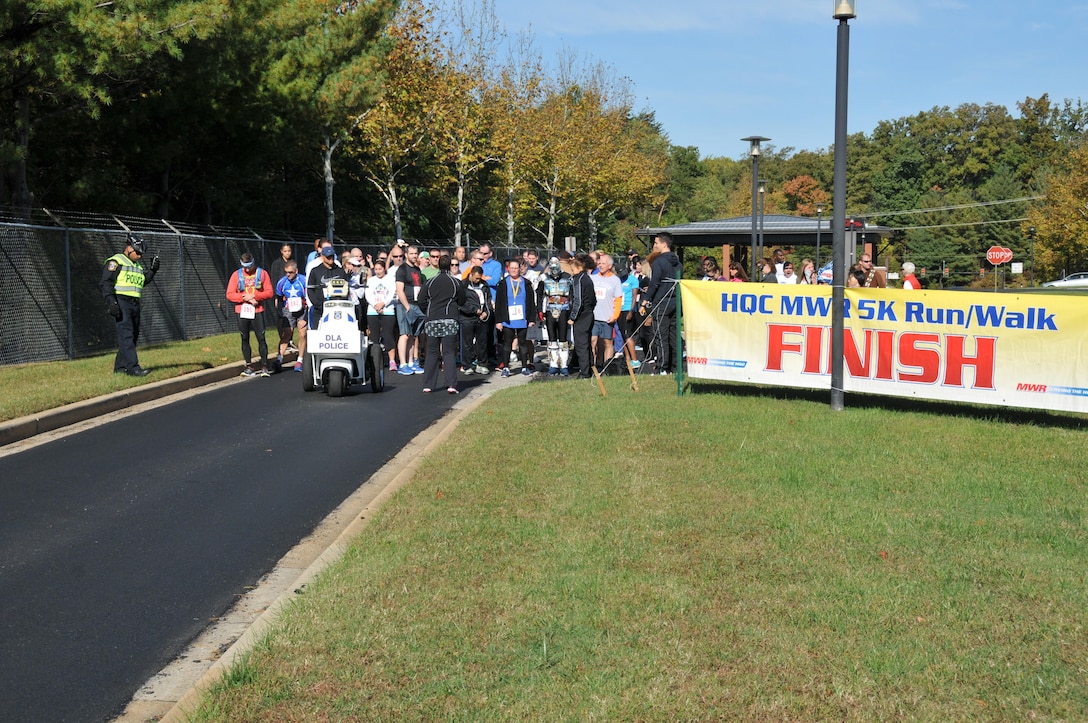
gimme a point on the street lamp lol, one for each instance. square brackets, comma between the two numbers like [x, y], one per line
[819, 220]
[762, 202]
[754, 151]
[844, 11]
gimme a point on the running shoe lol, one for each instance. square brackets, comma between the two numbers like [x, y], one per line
[298, 366]
[481, 369]
[392, 366]
[505, 373]
[247, 372]
[416, 368]
[452, 390]
[526, 372]
[405, 371]
[263, 371]
[426, 390]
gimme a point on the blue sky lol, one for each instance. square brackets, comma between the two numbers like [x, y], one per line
[715, 71]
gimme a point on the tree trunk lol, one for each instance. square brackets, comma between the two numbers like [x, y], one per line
[553, 207]
[162, 208]
[330, 212]
[510, 216]
[394, 204]
[459, 222]
[592, 229]
[21, 198]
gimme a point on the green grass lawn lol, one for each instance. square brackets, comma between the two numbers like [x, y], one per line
[33, 388]
[734, 554]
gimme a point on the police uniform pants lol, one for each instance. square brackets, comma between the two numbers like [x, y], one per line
[128, 333]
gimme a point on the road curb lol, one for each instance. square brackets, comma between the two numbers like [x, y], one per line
[22, 428]
[173, 694]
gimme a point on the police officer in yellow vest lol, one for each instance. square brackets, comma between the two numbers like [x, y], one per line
[123, 278]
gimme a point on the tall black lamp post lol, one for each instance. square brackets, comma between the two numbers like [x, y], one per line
[844, 11]
[754, 151]
[762, 206]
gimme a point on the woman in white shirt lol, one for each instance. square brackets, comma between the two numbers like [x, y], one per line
[381, 314]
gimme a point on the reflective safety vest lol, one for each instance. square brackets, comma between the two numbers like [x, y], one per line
[130, 279]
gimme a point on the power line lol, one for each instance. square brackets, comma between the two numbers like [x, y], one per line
[956, 225]
[979, 204]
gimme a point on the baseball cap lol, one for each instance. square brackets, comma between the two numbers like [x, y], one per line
[328, 251]
[355, 261]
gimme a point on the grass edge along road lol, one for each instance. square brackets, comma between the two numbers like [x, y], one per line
[37, 387]
[735, 554]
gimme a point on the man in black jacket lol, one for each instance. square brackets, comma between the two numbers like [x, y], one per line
[661, 302]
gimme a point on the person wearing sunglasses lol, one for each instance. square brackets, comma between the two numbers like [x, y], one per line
[291, 302]
[874, 277]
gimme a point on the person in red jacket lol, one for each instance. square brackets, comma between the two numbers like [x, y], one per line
[249, 287]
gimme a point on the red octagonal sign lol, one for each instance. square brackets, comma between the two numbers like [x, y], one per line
[998, 255]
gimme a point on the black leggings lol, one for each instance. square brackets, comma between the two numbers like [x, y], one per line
[505, 344]
[382, 330]
[558, 329]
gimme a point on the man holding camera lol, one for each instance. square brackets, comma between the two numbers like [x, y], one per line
[123, 279]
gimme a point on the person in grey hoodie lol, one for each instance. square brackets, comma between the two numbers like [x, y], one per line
[661, 296]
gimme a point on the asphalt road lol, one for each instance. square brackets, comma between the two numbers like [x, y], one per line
[118, 545]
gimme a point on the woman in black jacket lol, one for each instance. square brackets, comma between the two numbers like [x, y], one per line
[441, 299]
[583, 300]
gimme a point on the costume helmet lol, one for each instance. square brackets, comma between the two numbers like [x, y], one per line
[554, 269]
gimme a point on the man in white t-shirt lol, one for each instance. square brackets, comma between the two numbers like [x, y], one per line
[609, 292]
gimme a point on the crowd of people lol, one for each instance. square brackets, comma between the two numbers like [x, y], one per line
[451, 312]
[464, 312]
[777, 269]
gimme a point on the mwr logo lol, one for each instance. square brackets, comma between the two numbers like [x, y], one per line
[696, 360]
[1031, 388]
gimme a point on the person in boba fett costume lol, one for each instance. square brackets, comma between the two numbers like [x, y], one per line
[556, 286]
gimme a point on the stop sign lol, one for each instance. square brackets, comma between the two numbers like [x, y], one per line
[998, 255]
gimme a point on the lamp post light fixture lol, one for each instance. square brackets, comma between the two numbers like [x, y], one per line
[754, 151]
[845, 10]
[819, 221]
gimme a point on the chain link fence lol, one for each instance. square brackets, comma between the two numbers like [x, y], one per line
[51, 265]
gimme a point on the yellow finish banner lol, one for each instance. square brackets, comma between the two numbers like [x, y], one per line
[1015, 350]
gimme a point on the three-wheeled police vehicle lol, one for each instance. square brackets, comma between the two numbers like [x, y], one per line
[338, 353]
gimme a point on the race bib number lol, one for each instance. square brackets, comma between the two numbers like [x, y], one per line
[601, 292]
[415, 292]
[294, 304]
[517, 312]
[249, 311]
